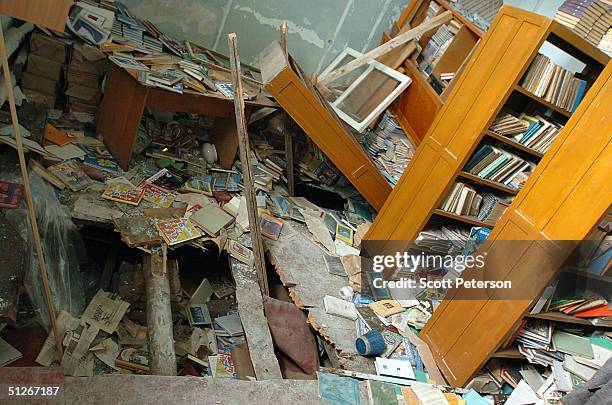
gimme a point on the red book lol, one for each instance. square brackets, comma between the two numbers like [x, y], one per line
[603, 310]
[10, 195]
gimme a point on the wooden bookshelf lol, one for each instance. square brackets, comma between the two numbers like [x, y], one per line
[561, 317]
[486, 182]
[514, 144]
[568, 193]
[419, 104]
[540, 100]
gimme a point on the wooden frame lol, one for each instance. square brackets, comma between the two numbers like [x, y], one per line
[300, 99]
[403, 82]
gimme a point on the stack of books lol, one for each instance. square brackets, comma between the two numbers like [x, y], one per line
[435, 48]
[492, 208]
[535, 132]
[535, 342]
[462, 200]
[444, 239]
[554, 84]
[391, 150]
[500, 166]
[591, 19]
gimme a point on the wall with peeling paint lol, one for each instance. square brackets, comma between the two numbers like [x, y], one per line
[318, 29]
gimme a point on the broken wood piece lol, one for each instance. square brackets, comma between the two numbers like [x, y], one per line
[162, 360]
[284, 38]
[254, 323]
[245, 160]
[289, 157]
[46, 174]
[138, 231]
[386, 47]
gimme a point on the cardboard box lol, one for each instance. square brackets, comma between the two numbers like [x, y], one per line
[51, 48]
[39, 84]
[88, 59]
[83, 78]
[39, 66]
[35, 97]
[84, 94]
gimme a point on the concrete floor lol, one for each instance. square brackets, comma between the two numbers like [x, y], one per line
[133, 389]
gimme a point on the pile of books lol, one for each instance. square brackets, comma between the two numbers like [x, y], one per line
[591, 19]
[436, 47]
[606, 42]
[588, 305]
[448, 240]
[535, 132]
[554, 84]
[535, 342]
[479, 12]
[391, 150]
[166, 78]
[500, 166]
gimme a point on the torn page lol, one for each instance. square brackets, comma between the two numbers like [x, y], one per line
[77, 360]
[105, 312]
[107, 351]
[48, 353]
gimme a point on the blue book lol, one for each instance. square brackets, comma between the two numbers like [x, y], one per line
[579, 95]
[477, 157]
[533, 127]
[338, 390]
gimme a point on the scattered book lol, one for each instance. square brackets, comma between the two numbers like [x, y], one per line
[71, 174]
[177, 231]
[123, 192]
[270, 226]
[211, 219]
[157, 195]
[386, 308]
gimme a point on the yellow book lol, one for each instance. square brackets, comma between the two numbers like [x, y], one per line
[386, 308]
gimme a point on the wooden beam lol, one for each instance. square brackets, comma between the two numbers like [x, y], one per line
[162, 359]
[245, 160]
[28, 196]
[386, 47]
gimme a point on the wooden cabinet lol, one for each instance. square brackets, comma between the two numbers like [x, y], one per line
[568, 193]
[419, 104]
[301, 100]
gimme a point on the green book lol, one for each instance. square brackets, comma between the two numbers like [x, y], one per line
[381, 393]
[572, 344]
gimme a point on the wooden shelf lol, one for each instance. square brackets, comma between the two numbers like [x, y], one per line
[511, 353]
[540, 100]
[576, 43]
[462, 218]
[513, 143]
[488, 183]
[582, 272]
[561, 317]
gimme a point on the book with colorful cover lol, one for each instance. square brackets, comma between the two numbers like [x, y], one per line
[108, 164]
[10, 194]
[123, 193]
[203, 185]
[178, 230]
[157, 195]
[71, 174]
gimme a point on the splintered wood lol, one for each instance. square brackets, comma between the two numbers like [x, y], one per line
[300, 264]
[254, 323]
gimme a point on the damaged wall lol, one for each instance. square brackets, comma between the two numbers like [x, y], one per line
[318, 29]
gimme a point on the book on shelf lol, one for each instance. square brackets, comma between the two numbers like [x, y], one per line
[500, 166]
[534, 132]
[554, 84]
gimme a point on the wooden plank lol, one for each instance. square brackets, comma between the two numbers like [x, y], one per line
[245, 160]
[120, 111]
[386, 47]
[289, 158]
[322, 126]
[51, 14]
[254, 322]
